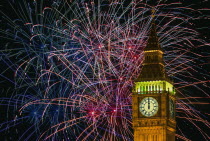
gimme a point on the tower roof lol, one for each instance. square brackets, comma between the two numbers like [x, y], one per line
[153, 64]
[153, 43]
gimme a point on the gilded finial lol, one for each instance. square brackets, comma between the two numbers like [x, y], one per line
[153, 12]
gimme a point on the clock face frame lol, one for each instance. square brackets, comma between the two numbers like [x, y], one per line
[148, 106]
[171, 108]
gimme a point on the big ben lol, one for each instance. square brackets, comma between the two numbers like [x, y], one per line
[153, 98]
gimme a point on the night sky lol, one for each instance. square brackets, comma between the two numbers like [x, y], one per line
[201, 70]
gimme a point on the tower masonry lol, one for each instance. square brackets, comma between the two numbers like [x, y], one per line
[153, 97]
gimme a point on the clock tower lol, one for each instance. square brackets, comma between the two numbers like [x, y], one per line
[153, 98]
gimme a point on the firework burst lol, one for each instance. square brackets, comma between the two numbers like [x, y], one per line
[74, 63]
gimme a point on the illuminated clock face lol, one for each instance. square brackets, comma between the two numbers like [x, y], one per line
[171, 109]
[148, 106]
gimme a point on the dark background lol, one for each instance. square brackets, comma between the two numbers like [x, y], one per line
[7, 78]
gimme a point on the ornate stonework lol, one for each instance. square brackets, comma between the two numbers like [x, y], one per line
[154, 82]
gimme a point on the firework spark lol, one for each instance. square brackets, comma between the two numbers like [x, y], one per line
[74, 63]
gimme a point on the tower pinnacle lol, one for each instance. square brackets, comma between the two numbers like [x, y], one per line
[153, 12]
[153, 64]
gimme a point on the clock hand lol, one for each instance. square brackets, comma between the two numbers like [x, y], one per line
[148, 104]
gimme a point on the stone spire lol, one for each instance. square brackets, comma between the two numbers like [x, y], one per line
[153, 64]
[153, 43]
